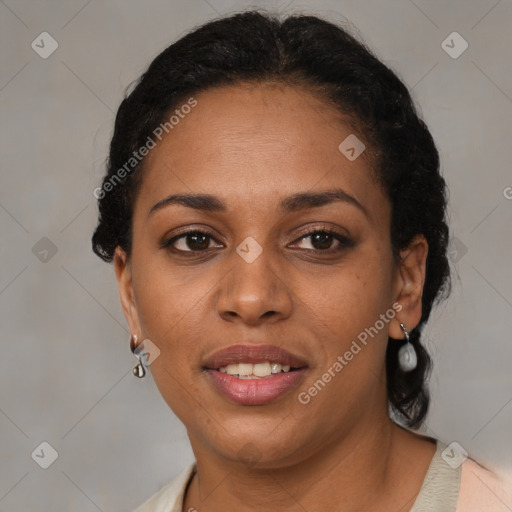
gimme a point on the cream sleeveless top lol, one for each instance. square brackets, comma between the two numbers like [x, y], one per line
[447, 487]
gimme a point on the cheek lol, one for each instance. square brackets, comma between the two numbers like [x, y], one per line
[352, 297]
[351, 352]
[171, 315]
[171, 306]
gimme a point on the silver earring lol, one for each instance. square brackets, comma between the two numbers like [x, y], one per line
[138, 370]
[407, 357]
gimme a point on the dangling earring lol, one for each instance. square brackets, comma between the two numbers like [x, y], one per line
[407, 357]
[138, 370]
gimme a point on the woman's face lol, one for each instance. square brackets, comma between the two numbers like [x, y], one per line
[263, 275]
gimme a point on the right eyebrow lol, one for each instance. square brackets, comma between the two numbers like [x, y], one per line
[204, 202]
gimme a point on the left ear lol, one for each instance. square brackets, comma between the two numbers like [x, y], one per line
[409, 281]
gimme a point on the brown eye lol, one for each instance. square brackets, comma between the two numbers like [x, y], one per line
[190, 241]
[322, 240]
[197, 241]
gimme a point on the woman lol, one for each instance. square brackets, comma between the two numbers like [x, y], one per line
[275, 214]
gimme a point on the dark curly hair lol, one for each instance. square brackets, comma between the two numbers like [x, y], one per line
[302, 51]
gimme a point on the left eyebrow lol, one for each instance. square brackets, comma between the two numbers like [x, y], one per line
[293, 203]
[306, 200]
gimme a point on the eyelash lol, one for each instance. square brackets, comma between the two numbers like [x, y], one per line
[344, 241]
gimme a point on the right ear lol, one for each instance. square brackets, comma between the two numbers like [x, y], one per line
[124, 283]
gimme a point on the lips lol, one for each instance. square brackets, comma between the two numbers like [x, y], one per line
[253, 354]
[258, 391]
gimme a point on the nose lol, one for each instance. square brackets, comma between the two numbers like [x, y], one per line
[253, 293]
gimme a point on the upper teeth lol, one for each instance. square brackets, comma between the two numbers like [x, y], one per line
[249, 370]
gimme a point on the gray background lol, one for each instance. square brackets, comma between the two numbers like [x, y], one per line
[65, 368]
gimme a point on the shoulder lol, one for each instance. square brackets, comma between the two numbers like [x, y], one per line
[457, 483]
[170, 497]
[482, 490]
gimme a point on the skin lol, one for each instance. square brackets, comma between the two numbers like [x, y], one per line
[252, 146]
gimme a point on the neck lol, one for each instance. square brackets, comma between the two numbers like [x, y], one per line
[354, 471]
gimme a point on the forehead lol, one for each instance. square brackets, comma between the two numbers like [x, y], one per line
[256, 142]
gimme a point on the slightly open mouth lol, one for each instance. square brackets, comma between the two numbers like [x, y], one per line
[262, 370]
